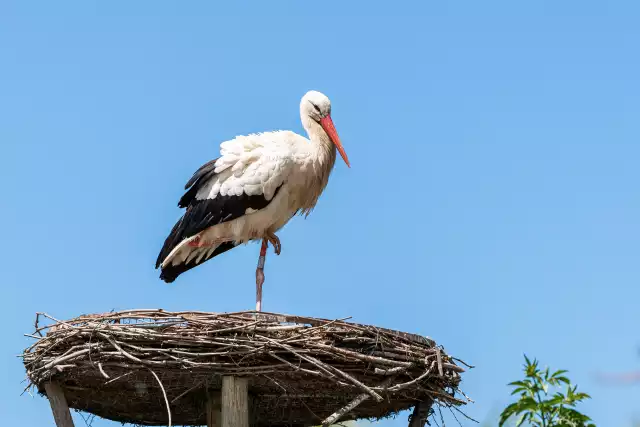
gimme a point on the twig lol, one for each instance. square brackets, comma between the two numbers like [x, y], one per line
[307, 358]
[453, 367]
[305, 332]
[390, 371]
[439, 359]
[463, 414]
[297, 368]
[104, 374]
[65, 358]
[184, 393]
[235, 328]
[34, 336]
[363, 356]
[276, 383]
[407, 384]
[358, 383]
[463, 362]
[466, 397]
[117, 378]
[327, 368]
[37, 327]
[164, 394]
[88, 420]
[59, 322]
[115, 344]
[344, 410]
[26, 390]
[441, 417]
[331, 419]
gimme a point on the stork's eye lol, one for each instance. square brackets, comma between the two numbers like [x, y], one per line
[316, 107]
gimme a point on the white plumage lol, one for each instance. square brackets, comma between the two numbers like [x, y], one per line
[252, 190]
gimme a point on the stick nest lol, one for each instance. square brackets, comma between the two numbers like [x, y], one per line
[145, 366]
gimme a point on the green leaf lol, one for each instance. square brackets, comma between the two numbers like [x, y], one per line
[518, 390]
[555, 400]
[507, 413]
[559, 372]
[525, 383]
[524, 417]
[527, 402]
[571, 416]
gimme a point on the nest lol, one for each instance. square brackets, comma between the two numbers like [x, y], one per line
[152, 367]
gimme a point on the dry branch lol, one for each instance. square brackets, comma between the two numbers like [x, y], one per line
[333, 418]
[164, 394]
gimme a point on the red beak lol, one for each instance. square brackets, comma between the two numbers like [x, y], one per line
[330, 129]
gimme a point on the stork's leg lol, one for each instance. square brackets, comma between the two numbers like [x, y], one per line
[277, 247]
[260, 273]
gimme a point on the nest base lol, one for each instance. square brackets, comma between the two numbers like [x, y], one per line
[144, 366]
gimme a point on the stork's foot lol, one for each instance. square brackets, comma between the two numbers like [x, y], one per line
[198, 243]
[275, 241]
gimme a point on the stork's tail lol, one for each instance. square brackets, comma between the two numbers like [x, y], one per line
[178, 255]
[186, 258]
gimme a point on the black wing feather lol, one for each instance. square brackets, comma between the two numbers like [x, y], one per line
[202, 214]
[199, 178]
[202, 170]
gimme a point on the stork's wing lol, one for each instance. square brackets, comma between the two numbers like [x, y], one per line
[244, 179]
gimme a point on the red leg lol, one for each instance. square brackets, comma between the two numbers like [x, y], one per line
[260, 273]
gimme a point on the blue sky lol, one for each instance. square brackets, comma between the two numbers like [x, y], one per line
[492, 202]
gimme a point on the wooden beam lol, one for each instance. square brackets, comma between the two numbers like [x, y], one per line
[214, 414]
[235, 402]
[420, 414]
[59, 406]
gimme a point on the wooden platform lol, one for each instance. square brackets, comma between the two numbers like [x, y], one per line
[151, 367]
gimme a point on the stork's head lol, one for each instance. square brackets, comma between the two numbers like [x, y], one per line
[316, 107]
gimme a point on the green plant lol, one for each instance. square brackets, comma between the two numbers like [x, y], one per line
[538, 407]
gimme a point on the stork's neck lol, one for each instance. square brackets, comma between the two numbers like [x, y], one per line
[321, 161]
[325, 150]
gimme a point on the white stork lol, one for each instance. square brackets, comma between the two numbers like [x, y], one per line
[253, 189]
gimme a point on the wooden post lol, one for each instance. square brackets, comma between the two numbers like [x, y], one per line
[214, 415]
[253, 409]
[59, 406]
[235, 402]
[420, 414]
